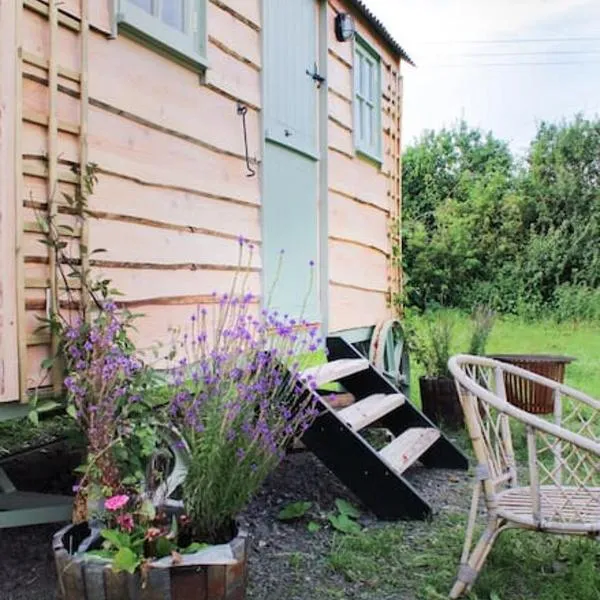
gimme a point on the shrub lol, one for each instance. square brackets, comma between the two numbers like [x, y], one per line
[237, 401]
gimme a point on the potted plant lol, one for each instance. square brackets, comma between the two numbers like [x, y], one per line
[231, 405]
[433, 348]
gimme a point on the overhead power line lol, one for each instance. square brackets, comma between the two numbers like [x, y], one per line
[516, 40]
[510, 64]
[534, 53]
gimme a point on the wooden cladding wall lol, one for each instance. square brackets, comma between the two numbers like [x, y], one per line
[364, 198]
[172, 196]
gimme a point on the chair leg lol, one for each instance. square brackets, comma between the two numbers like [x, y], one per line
[470, 568]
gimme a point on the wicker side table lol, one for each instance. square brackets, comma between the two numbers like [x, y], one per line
[526, 394]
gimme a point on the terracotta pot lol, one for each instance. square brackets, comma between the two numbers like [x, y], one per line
[200, 576]
[439, 401]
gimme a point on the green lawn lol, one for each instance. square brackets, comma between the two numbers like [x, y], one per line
[417, 560]
[515, 336]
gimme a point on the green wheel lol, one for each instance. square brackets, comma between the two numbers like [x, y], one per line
[388, 353]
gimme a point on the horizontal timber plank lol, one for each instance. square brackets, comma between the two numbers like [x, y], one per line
[34, 248]
[333, 54]
[35, 227]
[121, 197]
[142, 284]
[359, 266]
[99, 14]
[357, 221]
[36, 41]
[340, 138]
[226, 27]
[41, 119]
[339, 78]
[233, 77]
[34, 141]
[246, 10]
[123, 147]
[358, 178]
[159, 85]
[41, 8]
[126, 242]
[42, 63]
[43, 283]
[36, 166]
[35, 376]
[350, 308]
[340, 110]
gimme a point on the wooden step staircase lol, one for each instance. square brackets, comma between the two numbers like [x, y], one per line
[337, 436]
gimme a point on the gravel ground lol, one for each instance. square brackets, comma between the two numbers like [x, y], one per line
[286, 563]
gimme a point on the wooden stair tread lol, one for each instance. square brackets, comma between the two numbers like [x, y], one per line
[370, 409]
[336, 369]
[408, 447]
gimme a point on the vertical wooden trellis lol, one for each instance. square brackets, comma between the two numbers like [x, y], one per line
[83, 142]
[53, 289]
[53, 300]
[19, 220]
[398, 184]
[394, 193]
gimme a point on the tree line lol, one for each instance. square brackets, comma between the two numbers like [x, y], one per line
[519, 234]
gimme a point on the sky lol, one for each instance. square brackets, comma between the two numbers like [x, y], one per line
[491, 90]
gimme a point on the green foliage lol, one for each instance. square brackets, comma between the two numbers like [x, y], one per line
[422, 563]
[481, 228]
[344, 523]
[513, 334]
[345, 508]
[343, 520]
[313, 527]
[483, 322]
[432, 337]
[295, 510]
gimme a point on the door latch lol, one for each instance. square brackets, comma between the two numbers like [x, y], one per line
[316, 76]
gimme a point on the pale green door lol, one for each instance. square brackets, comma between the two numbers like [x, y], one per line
[290, 172]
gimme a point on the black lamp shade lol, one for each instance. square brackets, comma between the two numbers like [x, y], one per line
[344, 27]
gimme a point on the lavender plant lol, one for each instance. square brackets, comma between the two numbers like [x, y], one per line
[106, 381]
[238, 400]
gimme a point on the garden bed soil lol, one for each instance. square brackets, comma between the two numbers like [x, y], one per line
[287, 562]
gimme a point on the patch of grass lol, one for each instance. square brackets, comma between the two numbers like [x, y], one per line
[512, 335]
[20, 434]
[420, 560]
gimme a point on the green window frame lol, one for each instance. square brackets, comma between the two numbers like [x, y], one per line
[367, 100]
[174, 28]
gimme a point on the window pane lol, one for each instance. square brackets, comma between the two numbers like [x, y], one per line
[359, 64]
[143, 4]
[371, 92]
[172, 13]
[360, 125]
[368, 127]
[366, 69]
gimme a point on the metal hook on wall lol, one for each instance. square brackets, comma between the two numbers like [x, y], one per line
[242, 110]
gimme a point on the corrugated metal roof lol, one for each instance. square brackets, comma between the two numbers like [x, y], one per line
[380, 28]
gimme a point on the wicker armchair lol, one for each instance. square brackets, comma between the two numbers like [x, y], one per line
[559, 491]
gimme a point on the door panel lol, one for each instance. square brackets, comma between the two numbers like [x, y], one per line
[290, 224]
[290, 51]
[290, 166]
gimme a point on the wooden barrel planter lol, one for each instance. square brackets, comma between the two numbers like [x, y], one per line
[439, 401]
[526, 394]
[85, 577]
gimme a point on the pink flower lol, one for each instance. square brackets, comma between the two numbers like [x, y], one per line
[116, 502]
[125, 521]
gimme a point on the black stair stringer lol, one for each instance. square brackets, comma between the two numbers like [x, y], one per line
[345, 453]
[443, 453]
